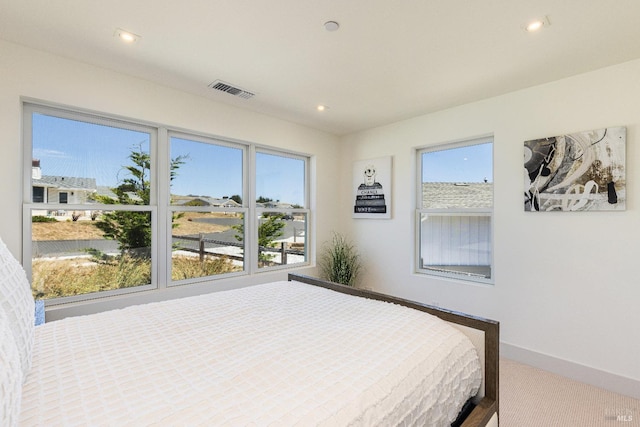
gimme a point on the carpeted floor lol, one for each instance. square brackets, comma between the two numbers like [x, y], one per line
[530, 397]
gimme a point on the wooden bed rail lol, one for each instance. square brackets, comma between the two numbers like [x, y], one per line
[488, 405]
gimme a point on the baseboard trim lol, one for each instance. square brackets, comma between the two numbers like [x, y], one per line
[574, 371]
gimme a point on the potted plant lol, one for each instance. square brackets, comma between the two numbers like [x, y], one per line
[339, 261]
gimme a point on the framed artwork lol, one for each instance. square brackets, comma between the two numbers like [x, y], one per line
[583, 171]
[372, 188]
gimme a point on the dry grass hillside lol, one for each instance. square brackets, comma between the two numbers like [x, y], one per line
[86, 229]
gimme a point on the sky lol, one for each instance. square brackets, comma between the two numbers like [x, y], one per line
[472, 163]
[78, 149]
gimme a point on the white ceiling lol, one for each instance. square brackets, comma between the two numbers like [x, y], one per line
[390, 59]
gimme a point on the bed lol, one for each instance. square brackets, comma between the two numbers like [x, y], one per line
[482, 410]
[297, 352]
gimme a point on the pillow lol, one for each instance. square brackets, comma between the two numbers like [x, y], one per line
[10, 375]
[17, 303]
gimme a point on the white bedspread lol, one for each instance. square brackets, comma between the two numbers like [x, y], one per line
[278, 354]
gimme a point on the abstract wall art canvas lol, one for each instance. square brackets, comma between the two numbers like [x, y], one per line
[583, 171]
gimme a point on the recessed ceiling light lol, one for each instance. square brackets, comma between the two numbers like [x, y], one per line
[322, 107]
[331, 26]
[537, 24]
[127, 36]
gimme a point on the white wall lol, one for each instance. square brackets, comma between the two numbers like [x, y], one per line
[31, 74]
[566, 284]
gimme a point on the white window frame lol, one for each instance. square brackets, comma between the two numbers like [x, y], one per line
[421, 211]
[172, 209]
[28, 110]
[159, 206]
[253, 249]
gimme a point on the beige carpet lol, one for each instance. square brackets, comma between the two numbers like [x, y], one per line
[536, 398]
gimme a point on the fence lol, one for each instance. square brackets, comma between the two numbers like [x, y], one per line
[284, 250]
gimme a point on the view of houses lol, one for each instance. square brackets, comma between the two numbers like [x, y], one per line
[77, 190]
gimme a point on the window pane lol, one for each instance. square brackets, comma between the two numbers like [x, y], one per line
[80, 252]
[206, 244]
[79, 162]
[455, 213]
[38, 194]
[205, 174]
[282, 238]
[456, 244]
[458, 177]
[280, 181]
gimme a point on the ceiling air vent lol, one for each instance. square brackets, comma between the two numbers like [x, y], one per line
[231, 89]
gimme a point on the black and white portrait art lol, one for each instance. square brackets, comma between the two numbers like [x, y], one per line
[372, 185]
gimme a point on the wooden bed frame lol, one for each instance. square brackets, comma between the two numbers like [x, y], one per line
[485, 411]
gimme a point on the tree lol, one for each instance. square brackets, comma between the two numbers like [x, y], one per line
[263, 199]
[268, 231]
[132, 229]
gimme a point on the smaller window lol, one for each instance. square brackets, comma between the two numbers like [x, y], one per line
[281, 204]
[38, 194]
[455, 210]
[281, 238]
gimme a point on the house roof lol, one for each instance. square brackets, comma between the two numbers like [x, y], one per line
[65, 182]
[204, 200]
[444, 195]
[104, 190]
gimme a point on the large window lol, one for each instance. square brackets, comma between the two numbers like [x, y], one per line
[206, 199]
[455, 210]
[88, 204]
[114, 206]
